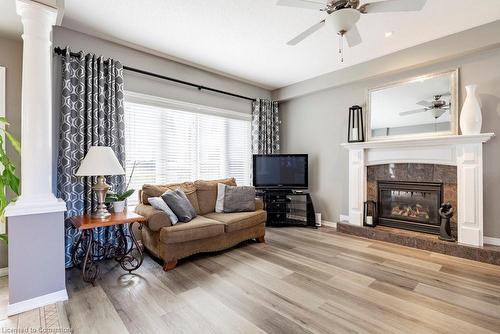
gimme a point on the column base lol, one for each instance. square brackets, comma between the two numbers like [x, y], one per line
[31, 304]
[36, 260]
[31, 205]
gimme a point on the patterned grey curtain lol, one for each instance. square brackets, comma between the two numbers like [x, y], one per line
[92, 114]
[265, 127]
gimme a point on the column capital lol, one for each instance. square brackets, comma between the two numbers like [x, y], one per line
[37, 18]
[27, 8]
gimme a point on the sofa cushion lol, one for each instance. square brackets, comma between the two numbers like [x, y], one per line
[198, 228]
[207, 193]
[156, 190]
[236, 221]
[156, 219]
[159, 204]
[235, 199]
[180, 205]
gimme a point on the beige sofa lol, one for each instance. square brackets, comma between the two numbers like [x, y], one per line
[208, 232]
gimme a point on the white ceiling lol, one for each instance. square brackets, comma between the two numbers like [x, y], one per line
[247, 38]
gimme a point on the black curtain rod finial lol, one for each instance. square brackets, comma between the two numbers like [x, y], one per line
[60, 51]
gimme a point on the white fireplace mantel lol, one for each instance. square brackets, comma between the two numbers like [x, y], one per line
[463, 151]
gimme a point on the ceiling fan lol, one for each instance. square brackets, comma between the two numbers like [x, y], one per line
[437, 107]
[342, 15]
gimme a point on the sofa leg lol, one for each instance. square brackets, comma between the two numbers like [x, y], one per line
[169, 265]
[261, 239]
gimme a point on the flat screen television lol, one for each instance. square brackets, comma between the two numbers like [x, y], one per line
[280, 171]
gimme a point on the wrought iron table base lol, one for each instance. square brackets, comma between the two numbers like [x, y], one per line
[127, 252]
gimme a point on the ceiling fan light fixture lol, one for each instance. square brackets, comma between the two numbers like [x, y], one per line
[343, 19]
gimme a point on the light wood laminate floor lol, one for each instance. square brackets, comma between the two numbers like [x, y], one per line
[299, 281]
[48, 319]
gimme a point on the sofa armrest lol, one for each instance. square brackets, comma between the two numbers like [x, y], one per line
[259, 204]
[156, 218]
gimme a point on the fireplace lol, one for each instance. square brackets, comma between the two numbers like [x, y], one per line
[456, 161]
[410, 205]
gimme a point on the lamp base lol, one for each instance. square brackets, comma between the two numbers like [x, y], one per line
[101, 188]
[101, 214]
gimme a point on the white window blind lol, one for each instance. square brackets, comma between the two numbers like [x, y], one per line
[169, 145]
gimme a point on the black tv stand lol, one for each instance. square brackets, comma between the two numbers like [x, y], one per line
[288, 207]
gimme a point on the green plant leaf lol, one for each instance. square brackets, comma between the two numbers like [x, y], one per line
[8, 178]
[110, 198]
[11, 180]
[125, 195]
[14, 142]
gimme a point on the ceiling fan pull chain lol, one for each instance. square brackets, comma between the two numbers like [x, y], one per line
[341, 47]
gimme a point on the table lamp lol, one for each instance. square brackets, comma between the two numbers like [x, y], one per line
[100, 161]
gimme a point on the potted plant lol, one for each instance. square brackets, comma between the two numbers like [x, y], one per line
[8, 178]
[117, 199]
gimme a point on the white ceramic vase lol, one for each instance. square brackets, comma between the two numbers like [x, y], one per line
[470, 117]
[118, 206]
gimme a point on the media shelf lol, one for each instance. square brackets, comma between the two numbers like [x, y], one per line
[288, 208]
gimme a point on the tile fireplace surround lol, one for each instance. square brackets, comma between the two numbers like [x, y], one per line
[463, 151]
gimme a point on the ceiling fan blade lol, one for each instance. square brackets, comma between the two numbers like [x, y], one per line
[392, 6]
[409, 112]
[301, 4]
[424, 103]
[353, 37]
[306, 33]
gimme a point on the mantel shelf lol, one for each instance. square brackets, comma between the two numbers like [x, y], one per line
[423, 141]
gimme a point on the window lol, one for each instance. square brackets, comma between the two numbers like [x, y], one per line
[170, 141]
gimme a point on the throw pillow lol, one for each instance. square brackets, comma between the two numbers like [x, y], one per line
[235, 199]
[180, 205]
[159, 204]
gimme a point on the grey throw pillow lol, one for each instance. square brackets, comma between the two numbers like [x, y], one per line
[159, 204]
[180, 205]
[235, 199]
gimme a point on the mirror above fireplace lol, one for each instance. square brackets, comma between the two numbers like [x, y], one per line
[421, 106]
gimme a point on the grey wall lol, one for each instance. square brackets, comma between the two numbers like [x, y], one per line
[148, 62]
[11, 52]
[317, 124]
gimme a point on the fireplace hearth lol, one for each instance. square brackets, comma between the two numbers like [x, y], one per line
[410, 205]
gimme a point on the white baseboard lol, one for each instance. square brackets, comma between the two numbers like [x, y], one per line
[31, 304]
[4, 271]
[329, 224]
[491, 241]
[343, 218]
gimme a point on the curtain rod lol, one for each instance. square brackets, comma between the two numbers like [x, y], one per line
[60, 51]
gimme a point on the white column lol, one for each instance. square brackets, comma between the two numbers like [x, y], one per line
[36, 219]
[470, 193]
[357, 180]
[36, 134]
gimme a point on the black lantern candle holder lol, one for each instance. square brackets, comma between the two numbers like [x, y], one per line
[356, 131]
[370, 214]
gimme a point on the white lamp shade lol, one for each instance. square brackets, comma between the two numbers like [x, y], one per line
[100, 160]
